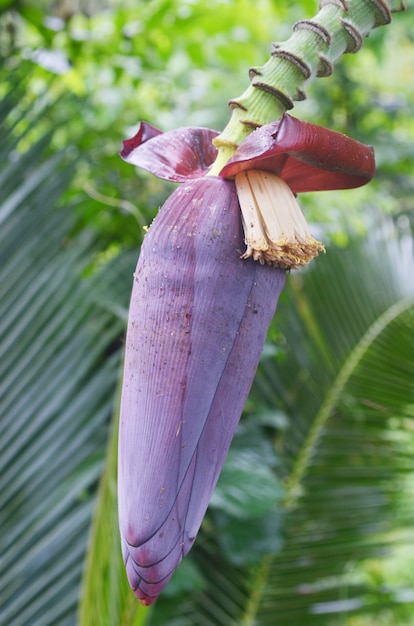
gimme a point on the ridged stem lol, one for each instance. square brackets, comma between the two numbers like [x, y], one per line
[339, 27]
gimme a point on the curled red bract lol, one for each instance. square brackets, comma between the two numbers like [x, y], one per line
[307, 157]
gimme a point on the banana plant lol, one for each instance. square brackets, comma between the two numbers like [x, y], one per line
[200, 309]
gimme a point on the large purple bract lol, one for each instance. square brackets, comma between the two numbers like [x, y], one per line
[197, 324]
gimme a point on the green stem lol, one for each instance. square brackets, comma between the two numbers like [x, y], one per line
[339, 27]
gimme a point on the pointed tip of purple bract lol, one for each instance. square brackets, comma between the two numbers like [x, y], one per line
[144, 133]
[148, 581]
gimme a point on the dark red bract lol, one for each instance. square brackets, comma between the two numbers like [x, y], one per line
[178, 155]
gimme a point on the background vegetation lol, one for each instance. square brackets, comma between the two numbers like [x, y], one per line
[312, 521]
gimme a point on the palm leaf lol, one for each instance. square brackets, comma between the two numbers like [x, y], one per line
[349, 452]
[59, 362]
[106, 595]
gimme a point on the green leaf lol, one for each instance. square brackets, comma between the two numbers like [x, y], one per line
[347, 386]
[59, 362]
[106, 595]
[247, 541]
[246, 488]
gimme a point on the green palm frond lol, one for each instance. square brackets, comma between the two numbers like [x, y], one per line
[349, 391]
[59, 362]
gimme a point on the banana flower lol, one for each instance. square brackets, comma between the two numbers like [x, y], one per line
[200, 309]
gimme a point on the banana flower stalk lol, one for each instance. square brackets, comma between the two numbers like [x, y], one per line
[200, 309]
